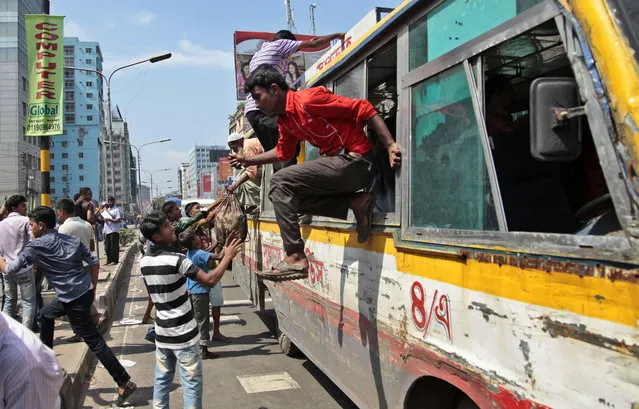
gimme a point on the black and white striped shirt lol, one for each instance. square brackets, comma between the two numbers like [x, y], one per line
[165, 273]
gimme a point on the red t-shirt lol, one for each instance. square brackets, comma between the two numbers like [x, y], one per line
[327, 121]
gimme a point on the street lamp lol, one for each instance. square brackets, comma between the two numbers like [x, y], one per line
[139, 166]
[151, 176]
[152, 60]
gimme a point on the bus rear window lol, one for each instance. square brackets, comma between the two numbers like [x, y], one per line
[455, 22]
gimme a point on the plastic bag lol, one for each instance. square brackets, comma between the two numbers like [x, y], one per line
[230, 219]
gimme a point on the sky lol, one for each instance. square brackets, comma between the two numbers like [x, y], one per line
[189, 97]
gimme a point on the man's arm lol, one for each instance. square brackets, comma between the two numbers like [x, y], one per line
[87, 256]
[261, 159]
[320, 41]
[26, 258]
[92, 244]
[239, 181]
[380, 128]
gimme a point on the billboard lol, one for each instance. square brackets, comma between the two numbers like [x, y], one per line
[45, 47]
[206, 183]
[246, 43]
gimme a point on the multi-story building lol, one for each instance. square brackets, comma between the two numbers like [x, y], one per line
[145, 197]
[202, 158]
[183, 179]
[122, 163]
[75, 155]
[20, 154]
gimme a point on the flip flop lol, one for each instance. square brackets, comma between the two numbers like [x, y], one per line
[364, 230]
[283, 271]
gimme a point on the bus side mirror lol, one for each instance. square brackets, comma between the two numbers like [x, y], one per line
[555, 126]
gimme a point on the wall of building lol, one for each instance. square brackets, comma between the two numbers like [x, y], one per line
[202, 158]
[20, 155]
[75, 155]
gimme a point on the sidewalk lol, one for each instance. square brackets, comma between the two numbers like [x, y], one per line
[76, 358]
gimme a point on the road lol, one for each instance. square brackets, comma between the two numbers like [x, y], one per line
[251, 373]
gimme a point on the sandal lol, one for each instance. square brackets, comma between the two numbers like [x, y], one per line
[283, 271]
[364, 230]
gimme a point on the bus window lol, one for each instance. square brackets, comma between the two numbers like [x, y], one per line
[352, 84]
[449, 183]
[569, 197]
[382, 93]
[454, 22]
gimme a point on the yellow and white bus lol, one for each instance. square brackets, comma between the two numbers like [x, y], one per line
[503, 267]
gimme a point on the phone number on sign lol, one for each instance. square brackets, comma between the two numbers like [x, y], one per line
[43, 127]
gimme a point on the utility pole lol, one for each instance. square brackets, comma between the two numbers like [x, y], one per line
[290, 18]
[311, 10]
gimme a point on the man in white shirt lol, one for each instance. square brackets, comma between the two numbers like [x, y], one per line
[112, 220]
[15, 234]
[73, 225]
[31, 376]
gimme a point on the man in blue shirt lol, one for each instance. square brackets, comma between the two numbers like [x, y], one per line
[60, 258]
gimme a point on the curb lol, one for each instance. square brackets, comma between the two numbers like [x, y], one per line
[72, 388]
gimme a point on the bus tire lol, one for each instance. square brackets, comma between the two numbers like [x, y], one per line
[288, 347]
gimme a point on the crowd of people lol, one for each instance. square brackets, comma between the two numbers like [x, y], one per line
[179, 266]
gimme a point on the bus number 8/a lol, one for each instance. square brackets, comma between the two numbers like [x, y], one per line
[439, 310]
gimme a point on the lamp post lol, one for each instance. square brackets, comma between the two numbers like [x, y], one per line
[139, 166]
[151, 176]
[152, 60]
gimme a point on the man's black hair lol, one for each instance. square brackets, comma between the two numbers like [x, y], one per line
[284, 35]
[45, 215]
[66, 205]
[263, 76]
[167, 206]
[189, 206]
[84, 190]
[187, 238]
[111, 198]
[13, 202]
[152, 223]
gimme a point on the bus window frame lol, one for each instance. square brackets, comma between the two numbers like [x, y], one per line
[387, 219]
[617, 248]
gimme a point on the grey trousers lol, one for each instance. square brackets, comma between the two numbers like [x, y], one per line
[321, 187]
[201, 311]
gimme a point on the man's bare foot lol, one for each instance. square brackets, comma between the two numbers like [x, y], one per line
[206, 354]
[297, 259]
[147, 320]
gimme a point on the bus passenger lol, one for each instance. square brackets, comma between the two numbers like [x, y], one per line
[275, 53]
[246, 186]
[325, 186]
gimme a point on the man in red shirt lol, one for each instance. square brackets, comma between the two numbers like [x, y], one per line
[325, 186]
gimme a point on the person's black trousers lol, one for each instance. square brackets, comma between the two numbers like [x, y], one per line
[79, 315]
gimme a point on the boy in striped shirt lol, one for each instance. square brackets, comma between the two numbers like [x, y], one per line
[177, 336]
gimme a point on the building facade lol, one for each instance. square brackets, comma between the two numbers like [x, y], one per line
[122, 163]
[75, 155]
[183, 178]
[145, 197]
[202, 160]
[20, 155]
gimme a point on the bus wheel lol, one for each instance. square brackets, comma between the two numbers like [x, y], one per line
[288, 347]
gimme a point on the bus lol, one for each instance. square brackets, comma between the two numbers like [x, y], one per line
[502, 271]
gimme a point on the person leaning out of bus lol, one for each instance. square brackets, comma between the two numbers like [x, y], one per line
[325, 186]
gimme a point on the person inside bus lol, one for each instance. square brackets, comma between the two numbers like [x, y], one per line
[327, 186]
[275, 54]
[247, 184]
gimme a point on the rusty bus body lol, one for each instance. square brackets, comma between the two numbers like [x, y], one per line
[459, 301]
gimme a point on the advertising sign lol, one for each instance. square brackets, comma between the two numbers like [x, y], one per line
[45, 47]
[247, 43]
[353, 37]
[206, 183]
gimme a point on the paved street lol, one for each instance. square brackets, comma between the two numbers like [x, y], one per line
[251, 372]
